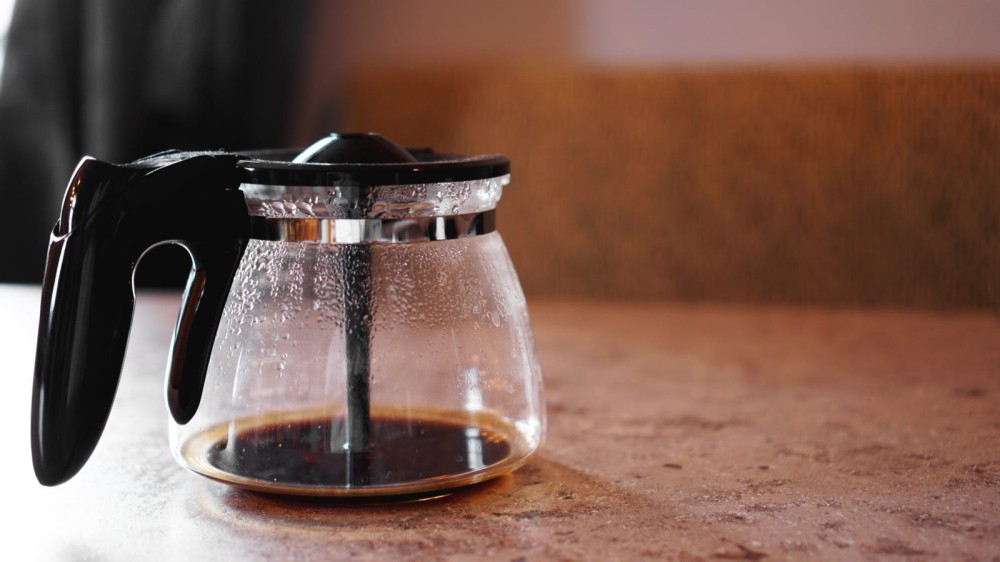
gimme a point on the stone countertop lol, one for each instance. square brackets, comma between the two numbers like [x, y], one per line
[675, 432]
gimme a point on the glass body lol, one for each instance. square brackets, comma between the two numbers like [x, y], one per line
[454, 387]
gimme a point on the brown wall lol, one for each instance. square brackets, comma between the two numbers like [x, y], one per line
[847, 186]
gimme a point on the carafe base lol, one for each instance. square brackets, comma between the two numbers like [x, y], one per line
[306, 452]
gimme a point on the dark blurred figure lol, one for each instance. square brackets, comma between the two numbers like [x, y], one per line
[120, 79]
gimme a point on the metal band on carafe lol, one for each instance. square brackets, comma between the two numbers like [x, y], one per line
[361, 231]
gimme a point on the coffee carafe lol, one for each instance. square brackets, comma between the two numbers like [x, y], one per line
[352, 324]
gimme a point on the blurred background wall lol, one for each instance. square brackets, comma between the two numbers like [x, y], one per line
[353, 37]
[651, 32]
[775, 151]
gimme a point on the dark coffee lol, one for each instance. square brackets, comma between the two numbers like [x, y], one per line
[313, 452]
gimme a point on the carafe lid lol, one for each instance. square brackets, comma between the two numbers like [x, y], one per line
[365, 159]
[365, 176]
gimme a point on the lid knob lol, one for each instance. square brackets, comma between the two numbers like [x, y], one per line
[355, 148]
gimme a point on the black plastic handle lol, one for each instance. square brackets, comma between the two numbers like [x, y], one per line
[111, 216]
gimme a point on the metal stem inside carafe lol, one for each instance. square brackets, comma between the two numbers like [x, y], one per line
[357, 323]
[357, 266]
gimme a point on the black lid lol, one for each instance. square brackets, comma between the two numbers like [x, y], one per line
[365, 159]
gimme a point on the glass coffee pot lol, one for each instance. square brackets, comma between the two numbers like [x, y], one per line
[352, 325]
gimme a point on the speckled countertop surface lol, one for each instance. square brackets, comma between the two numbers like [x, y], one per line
[675, 432]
